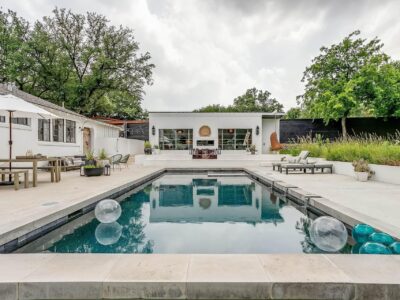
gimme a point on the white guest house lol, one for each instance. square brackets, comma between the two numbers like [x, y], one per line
[69, 134]
[228, 132]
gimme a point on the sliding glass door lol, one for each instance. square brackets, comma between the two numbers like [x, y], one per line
[176, 139]
[234, 139]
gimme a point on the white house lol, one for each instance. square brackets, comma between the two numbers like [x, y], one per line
[69, 134]
[228, 132]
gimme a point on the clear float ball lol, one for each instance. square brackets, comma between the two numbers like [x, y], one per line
[107, 211]
[374, 248]
[108, 233]
[361, 232]
[328, 234]
[395, 247]
[382, 238]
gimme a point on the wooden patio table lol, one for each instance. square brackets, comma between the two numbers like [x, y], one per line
[34, 161]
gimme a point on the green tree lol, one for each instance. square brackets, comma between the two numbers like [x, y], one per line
[79, 60]
[379, 89]
[252, 100]
[293, 113]
[332, 78]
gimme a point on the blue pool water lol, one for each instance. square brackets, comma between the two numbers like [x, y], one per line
[190, 214]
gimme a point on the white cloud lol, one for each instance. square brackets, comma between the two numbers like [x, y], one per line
[210, 51]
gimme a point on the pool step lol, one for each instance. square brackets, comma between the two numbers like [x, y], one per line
[236, 174]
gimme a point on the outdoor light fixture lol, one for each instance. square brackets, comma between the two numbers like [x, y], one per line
[107, 170]
[82, 170]
[257, 130]
[153, 130]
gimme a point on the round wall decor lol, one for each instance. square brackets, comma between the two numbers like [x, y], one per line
[205, 131]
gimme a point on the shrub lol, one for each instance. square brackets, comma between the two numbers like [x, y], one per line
[371, 148]
[103, 154]
[147, 145]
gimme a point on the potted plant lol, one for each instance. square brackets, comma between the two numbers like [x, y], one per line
[93, 170]
[253, 149]
[89, 160]
[147, 148]
[156, 149]
[103, 157]
[362, 170]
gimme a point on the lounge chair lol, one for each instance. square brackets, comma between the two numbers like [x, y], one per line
[116, 160]
[306, 166]
[124, 160]
[295, 160]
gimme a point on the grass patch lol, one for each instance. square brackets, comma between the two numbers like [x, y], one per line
[375, 150]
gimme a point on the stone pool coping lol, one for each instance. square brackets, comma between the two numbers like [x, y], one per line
[199, 276]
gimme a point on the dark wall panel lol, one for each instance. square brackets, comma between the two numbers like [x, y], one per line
[292, 129]
[138, 131]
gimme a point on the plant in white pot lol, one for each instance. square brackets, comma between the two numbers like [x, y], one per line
[103, 157]
[362, 170]
[156, 149]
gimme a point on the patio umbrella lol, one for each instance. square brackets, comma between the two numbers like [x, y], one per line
[13, 104]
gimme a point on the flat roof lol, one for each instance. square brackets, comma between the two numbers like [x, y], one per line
[265, 115]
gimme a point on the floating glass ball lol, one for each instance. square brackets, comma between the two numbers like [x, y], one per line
[381, 237]
[374, 248]
[361, 232]
[395, 247]
[355, 249]
[108, 233]
[107, 211]
[328, 234]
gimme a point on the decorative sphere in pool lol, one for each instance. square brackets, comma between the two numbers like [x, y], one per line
[328, 234]
[108, 233]
[361, 232]
[107, 211]
[374, 248]
[381, 237]
[395, 247]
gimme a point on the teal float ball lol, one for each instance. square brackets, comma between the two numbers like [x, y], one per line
[374, 248]
[361, 232]
[395, 247]
[381, 237]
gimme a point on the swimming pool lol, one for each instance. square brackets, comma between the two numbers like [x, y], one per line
[191, 213]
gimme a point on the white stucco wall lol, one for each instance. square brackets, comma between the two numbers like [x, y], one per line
[26, 137]
[120, 145]
[215, 121]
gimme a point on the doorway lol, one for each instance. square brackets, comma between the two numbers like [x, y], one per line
[87, 140]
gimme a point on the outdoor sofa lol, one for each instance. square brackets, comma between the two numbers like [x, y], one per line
[205, 154]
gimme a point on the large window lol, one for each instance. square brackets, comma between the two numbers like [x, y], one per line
[70, 135]
[2, 119]
[58, 130]
[234, 139]
[21, 121]
[44, 130]
[176, 139]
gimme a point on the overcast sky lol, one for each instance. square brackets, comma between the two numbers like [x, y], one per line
[210, 51]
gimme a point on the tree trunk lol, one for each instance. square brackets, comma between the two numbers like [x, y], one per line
[344, 128]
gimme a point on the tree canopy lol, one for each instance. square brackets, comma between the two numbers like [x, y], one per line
[293, 113]
[253, 100]
[332, 80]
[81, 61]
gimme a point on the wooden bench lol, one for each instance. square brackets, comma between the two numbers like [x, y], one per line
[52, 170]
[16, 177]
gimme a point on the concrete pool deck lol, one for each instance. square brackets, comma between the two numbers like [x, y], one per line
[170, 276]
